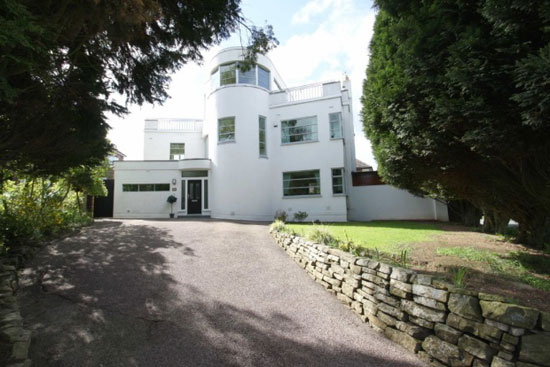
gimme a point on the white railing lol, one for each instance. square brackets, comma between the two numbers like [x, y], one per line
[173, 125]
[305, 93]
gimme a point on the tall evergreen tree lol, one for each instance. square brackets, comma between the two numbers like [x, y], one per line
[60, 62]
[457, 101]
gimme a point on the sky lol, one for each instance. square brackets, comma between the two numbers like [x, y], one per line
[320, 40]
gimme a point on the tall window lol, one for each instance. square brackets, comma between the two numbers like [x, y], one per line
[335, 121]
[215, 78]
[337, 180]
[299, 130]
[261, 123]
[263, 77]
[205, 193]
[226, 129]
[227, 74]
[247, 77]
[177, 151]
[301, 183]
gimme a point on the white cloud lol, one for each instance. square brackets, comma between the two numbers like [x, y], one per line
[312, 8]
[337, 45]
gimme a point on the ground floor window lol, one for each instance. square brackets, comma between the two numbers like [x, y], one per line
[337, 180]
[301, 183]
[145, 187]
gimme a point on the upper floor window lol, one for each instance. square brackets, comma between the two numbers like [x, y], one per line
[301, 183]
[262, 138]
[227, 74]
[337, 180]
[263, 77]
[231, 73]
[299, 130]
[335, 121]
[226, 129]
[177, 151]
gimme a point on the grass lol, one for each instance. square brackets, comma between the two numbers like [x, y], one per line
[389, 236]
[517, 265]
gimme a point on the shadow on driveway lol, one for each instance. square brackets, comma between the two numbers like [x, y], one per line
[109, 296]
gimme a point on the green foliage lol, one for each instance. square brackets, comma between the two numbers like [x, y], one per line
[277, 226]
[404, 258]
[281, 215]
[61, 62]
[300, 216]
[172, 199]
[459, 276]
[456, 104]
[530, 269]
[322, 235]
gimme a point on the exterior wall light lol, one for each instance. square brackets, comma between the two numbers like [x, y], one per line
[174, 181]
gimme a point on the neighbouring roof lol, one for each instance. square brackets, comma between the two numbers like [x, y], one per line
[362, 166]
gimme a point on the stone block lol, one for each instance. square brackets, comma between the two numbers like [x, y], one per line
[423, 279]
[535, 348]
[375, 279]
[480, 363]
[525, 364]
[465, 306]
[423, 312]
[429, 302]
[352, 281]
[498, 325]
[545, 321]
[421, 322]
[387, 299]
[516, 331]
[369, 307]
[362, 261]
[403, 339]
[447, 333]
[357, 307]
[499, 362]
[384, 268]
[373, 264]
[383, 275]
[337, 269]
[507, 347]
[476, 347]
[344, 298]
[445, 352]
[387, 319]
[399, 292]
[376, 323]
[348, 289]
[514, 315]
[415, 331]
[478, 329]
[355, 269]
[332, 281]
[510, 339]
[430, 292]
[400, 274]
[505, 355]
[390, 310]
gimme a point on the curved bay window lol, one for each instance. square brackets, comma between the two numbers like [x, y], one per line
[233, 73]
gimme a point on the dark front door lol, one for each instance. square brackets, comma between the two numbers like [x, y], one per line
[194, 202]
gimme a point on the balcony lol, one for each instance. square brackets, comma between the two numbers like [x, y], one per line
[173, 125]
[305, 93]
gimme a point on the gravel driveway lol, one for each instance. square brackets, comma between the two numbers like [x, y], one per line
[187, 293]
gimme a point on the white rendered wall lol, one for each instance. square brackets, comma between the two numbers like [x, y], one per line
[157, 144]
[385, 202]
[324, 155]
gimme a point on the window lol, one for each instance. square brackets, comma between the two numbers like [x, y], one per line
[337, 180]
[247, 77]
[227, 74]
[226, 129]
[263, 77]
[205, 191]
[183, 194]
[294, 131]
[301, 183]
[145, 187]
[335, 121]
[197, 173]
[261, 123]
[177, 151]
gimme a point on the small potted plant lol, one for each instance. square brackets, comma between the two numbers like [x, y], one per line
[172, 199]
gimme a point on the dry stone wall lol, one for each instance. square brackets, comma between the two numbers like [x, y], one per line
[442, 324]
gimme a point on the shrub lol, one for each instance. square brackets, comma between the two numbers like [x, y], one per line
[321, 234]
[281, 215]
[277, 226]
[300, 216]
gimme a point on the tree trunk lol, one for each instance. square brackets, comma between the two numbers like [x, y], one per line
[535, 232]
[464, 212]
[494, 222]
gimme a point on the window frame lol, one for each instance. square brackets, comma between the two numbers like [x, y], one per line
[229, 64]
[314, 132]
[316, 176]
[222, 141]
[341, 176]
[144, 187]
[264, 129]
[258, 67]
[331, 128]
[171, 156]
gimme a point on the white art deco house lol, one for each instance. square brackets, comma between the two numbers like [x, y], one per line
[261, 147]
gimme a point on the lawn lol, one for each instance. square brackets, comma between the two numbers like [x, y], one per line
[387, 236]
[490, 263]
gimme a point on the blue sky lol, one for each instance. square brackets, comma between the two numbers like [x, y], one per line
[320, 40]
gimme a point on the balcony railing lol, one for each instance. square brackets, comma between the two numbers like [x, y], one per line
[173, 125]
[305, 93]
